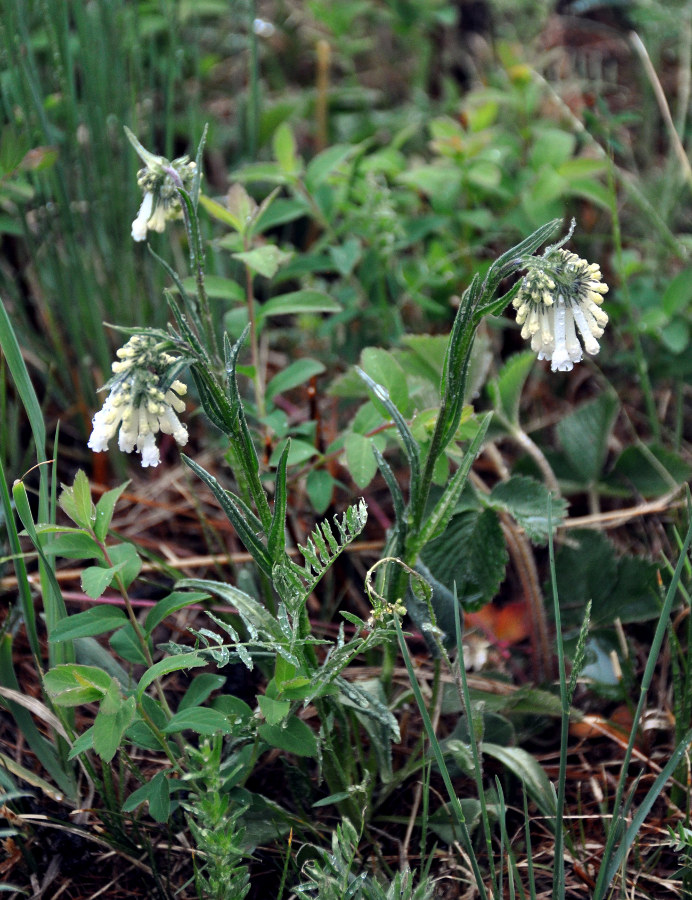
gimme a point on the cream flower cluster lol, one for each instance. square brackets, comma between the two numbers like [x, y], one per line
[561, 293]
[136, 404]
[159, 179]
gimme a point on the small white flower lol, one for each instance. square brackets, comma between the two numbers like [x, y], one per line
[561, 293]
[136, 408]
[161, 202]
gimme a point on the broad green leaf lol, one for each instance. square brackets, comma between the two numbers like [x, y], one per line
[296, 373]
[676, 335]
[471, 554]
[321, 166]
[169, 664]
[505, 390]
[170, 604]
[97, 620]
[75, 501]
[237, 710]
[126, 556]
[264, 260]
[320, 487]
[221, 213]
[126, 644]
[274, 711]
[581, 167]
[284, 146]
[650, 470]
[71, 544]
[104, 510]
[159, 798]
[588, 568]
[200, 689]
[294, 737]
[109, 728]
[218, 288]
[306, 301]
[299, 452]
[383, 368]
[525, 766]
[281, 211]
[201, 719]
[552, 147]
[71, 685]
[360, 459]
[678, 295]
[95, 579]
[83, 743]
[526, 500]
[584, 436]
[346, 256]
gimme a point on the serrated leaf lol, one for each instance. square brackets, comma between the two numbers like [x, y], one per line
[200, 719]
[294, 737]
[305, 301]
[622, 588]
[95, 579]
[584, 436]
[526, 500]
[97, 620]
[75, 501]
[81, 492]
[471, 555]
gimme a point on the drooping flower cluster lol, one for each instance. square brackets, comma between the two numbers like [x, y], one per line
[561, 293]
[159, 179]
[137, 405]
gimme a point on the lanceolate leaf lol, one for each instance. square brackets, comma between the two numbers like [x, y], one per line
[231, 508]
[97, 620]
[444, 509]
[277, 533]
[584, 436]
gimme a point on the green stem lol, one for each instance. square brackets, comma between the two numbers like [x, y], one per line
[254, 342]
